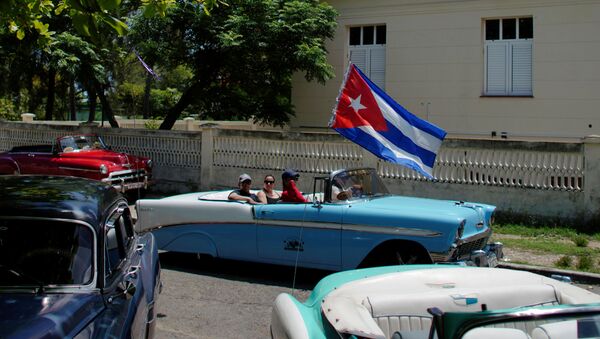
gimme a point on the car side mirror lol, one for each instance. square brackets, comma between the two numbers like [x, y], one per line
[317, 203]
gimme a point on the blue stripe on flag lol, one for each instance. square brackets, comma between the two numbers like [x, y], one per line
[411, 118]
[367, 141]
[405, 143]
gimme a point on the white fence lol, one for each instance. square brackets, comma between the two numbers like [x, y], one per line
[550, 179]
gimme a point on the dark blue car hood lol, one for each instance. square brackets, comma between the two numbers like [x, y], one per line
[47, 316]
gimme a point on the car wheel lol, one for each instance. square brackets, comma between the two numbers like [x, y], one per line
[396, 254]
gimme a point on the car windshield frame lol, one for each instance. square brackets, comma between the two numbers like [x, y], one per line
[79, 266]
[82, 142]
[457, 324]
[359, 183]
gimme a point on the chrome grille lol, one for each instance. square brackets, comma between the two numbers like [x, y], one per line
[467, 248]
[128, 176]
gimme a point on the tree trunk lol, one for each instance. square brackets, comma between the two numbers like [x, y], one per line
[50, 94]
[107, 111]
[72, 107]
[92, 101]
[146, 109]
[185, 100]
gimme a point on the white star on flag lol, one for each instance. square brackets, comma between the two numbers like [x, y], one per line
[355, 104]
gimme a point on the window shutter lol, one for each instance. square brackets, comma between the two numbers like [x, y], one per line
[358, 56]
[496, 66]
[377, 67]
[521, 68]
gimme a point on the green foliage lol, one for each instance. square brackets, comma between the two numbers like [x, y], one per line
[584, 263]
[30, 17]
[242, 55]
[525, 230]
[130, 95]
[564, 262]
[580, 240]
[163, 100]
[152, 123]
[7, 110]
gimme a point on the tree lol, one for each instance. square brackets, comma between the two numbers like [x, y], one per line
[242, 55]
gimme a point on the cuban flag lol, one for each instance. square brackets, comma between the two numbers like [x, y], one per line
[367, 116]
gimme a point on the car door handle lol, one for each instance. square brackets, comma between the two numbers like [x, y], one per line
[133, 271]
[140, 248]
[266, 212]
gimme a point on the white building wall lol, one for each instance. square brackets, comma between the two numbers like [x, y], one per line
[435, 66]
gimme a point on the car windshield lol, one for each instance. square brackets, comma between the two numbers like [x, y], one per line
[81, 143]
[45, 252]
[571, 322]
[356, 184]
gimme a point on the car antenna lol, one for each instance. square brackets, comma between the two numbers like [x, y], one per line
[319, 155]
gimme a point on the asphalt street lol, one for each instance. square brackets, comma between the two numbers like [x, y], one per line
[222, 298]
[228, 299]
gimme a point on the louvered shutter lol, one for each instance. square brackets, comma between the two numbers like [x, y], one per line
[377, 67]
[496, 68]
[521, 68]
[358, 56]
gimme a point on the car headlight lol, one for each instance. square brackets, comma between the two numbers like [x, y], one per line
[149, 163]
[103, 169]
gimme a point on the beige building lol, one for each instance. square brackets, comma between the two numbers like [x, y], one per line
[520, 67]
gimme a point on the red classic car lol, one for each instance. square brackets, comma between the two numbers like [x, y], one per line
[84, 156]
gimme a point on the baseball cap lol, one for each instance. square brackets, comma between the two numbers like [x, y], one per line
[244, 177]
[289, 173]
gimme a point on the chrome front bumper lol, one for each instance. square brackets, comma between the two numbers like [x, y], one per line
[487, 257]
[128, 180]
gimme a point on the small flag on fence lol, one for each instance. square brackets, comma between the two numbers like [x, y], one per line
[367, 116]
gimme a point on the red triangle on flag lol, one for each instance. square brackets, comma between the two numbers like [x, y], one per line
[357, 105]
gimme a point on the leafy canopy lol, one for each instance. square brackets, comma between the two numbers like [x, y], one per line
[242, 55]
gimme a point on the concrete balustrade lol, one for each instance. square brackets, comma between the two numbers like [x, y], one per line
[549, 179]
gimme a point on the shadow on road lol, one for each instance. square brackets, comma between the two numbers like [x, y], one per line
[274, 275]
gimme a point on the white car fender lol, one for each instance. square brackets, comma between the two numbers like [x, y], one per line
[286, 319]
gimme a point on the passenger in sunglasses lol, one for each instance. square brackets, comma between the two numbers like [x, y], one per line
[267, 195]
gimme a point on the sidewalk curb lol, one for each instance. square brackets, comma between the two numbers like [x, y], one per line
[576, 276]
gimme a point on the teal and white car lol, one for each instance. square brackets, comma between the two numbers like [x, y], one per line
[438, 301]
[350, 221]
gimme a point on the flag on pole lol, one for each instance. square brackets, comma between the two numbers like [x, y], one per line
[367, 116]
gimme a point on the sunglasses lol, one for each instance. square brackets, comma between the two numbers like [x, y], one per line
[269, 182]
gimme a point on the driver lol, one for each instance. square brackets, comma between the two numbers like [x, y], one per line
[343, 188]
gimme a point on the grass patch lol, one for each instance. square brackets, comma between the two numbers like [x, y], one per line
[527, 231]
[580, 241]
[585, 263]
[551, 245]
[564, 262]
[572, 248]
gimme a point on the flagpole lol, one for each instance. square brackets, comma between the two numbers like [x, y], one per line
[337, 99]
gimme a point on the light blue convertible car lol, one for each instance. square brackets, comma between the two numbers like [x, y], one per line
[351, 221]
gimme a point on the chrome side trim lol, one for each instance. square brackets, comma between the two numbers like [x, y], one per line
[396, 231]
[79, 169]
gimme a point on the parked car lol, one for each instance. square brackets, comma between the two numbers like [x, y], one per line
[71, 265]
[81, 155]
[438, 301]
[368, 227]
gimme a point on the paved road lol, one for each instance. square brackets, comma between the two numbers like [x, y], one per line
[224, 298]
